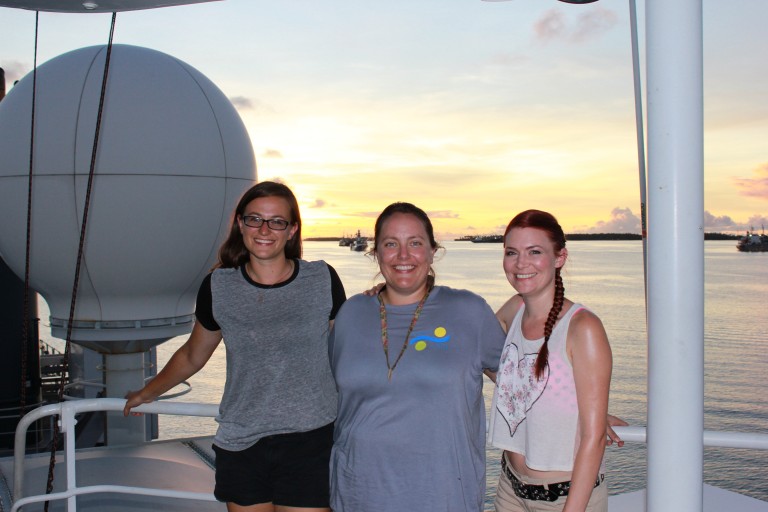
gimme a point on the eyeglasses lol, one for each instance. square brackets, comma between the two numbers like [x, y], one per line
[253, 221]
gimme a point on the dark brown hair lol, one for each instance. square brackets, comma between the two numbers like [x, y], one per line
[232, 252]
[546, 222]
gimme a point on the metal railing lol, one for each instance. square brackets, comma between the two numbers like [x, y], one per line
[66, 412]
[711, 438]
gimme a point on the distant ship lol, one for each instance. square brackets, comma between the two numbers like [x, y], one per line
[359, 243]
[487, 239]
[753, 242]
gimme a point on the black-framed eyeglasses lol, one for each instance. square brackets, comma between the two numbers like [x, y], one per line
[252, 221]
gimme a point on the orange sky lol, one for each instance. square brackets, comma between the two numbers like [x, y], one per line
[472, 110]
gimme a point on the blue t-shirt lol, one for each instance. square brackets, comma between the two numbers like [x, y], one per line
[416, 442]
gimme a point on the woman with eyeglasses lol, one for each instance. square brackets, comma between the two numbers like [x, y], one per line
[274, 312]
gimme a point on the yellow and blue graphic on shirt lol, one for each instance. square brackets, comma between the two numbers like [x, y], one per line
[421, 341]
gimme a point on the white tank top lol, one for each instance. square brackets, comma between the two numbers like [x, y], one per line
[536, 418]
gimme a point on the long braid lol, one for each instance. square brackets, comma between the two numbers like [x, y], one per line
[557, 306]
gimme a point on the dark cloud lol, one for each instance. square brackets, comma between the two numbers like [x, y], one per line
[319, 203]
[622, 221]
[272, 153]
[553, 25]
[245, 103]
[754, 187]
[241, 102]
[14, 70]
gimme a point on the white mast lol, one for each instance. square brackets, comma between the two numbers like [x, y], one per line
[676, 255]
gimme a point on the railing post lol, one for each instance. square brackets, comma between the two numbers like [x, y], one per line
[68, 422]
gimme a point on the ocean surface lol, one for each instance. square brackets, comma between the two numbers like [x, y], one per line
[607, 277]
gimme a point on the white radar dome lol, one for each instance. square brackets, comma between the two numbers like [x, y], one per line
[173, 159]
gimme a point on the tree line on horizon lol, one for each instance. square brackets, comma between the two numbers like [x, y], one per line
[574, 236]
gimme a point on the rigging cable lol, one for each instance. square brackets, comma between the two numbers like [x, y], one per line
[80, 249]
[25, 311]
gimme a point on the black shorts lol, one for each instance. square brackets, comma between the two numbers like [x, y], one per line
[284, 469]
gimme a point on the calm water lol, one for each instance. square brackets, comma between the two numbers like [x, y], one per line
[607, 277]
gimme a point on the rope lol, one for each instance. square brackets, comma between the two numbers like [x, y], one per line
[80, 250]
[25, 311]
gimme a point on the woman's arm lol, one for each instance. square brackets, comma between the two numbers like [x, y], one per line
[184, 363]
[590, 355]
[507, 312]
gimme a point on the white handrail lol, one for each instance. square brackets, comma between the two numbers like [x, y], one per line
[67, 421]
[94, 489]
[68, 410]
[711, 438]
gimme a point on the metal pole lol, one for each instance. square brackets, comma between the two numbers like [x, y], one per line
[640, 131]
[676, 255]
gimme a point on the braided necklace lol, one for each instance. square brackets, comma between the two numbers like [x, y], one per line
[384, 335]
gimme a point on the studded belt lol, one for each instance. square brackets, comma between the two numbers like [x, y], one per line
[549, 492]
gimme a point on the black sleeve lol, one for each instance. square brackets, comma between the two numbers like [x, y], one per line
[337, 291]
[204, 306]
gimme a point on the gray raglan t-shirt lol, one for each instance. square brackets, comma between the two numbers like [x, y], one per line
[416, 442]
[276, 337]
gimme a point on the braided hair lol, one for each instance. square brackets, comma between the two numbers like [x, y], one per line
[546, 222]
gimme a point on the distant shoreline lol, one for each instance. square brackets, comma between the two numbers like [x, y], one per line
[574, 236]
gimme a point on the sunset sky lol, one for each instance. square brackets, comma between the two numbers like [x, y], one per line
[472, 110]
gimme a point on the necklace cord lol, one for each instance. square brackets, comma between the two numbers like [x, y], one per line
[385, 335]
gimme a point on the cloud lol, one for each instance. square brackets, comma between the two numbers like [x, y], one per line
[754, 187]
[442, 214]
[622, 221]
[272, 153]
[241, 102]
[14, 70]
[372, 215]
[551, 26]
[721, 223]
[319, 203]
[245, 103]
[592, 24]
[757, 222]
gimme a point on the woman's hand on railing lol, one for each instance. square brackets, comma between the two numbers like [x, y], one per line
[134, 399]
[611, 435]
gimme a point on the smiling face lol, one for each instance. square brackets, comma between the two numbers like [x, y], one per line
[530, 261]
[264, 243]
[404, 254]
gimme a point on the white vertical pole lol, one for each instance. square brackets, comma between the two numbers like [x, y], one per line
[676, 255]
[640, 135]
